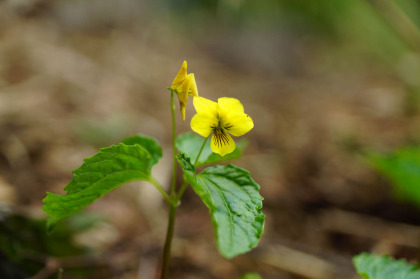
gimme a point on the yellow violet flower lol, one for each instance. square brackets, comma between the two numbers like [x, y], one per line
[184, 85]
[222, 118]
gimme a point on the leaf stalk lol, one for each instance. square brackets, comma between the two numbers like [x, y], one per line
[181, 191]
[201, 150]
[160, 189]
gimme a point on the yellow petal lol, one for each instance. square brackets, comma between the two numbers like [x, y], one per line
[222, 143]
[205, 106]
[189, 87]
[237, 124]
[229, 105]
[180, 77]
[192, 86]
[183, 99]
[182, 110]
[202, 123]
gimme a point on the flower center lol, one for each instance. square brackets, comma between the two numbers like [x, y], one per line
[220, 135]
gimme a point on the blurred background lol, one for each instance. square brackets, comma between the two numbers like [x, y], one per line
[326, 82]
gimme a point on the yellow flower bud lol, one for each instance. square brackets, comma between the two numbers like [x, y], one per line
[184, 85]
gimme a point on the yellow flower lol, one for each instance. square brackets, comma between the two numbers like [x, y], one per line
[222, 118]
[184, 85]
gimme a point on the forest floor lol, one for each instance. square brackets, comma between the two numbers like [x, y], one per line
[70, 86]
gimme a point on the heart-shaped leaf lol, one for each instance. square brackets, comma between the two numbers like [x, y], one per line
[234, 202]
[101, 173]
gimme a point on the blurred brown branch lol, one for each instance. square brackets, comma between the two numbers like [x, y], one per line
[301, 263]
[386, 234]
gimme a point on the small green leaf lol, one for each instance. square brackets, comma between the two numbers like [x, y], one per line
[108, 169]
[383, 267]
[147, 143]
[234, 202]
[402, 167]
[190, 144]
[187, 167]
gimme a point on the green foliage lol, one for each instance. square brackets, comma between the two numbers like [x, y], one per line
[402, 167]
[101, 173]
[382, 267]
[234, 202]
[147, 143]
[229, 192]
[412, 9]
[250, 275]
[24, 243]
[190, 144]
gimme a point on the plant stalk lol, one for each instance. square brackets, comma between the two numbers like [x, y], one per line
[181, 191]
[172, 200]
[168, 241]
[185, 184]
[173, 144]
[201, 150]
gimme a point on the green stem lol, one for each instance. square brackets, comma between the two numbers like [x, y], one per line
[160, 189]
[181, 191]
[201, 150]
[173, 143]
[185, 184]
[168, 241]
[172, 200]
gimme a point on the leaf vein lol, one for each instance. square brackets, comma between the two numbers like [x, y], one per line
[231, 216]
[103, 178]
[231, 192]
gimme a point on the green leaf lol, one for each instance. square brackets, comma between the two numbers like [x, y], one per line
[101, 173]
[402, 167]
[250, 275]
[147, 143]
[234, 202]
[190, 144]
[383, 267]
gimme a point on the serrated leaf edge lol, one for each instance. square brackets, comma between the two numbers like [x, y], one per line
[51, 222]
[212, 208]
